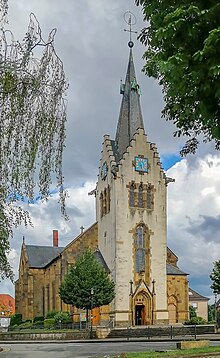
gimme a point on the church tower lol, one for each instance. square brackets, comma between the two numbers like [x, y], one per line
[131, 214]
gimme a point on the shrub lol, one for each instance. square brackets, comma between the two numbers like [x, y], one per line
[25, 325]
[38, 318]
[63, 317]
[16, 319]
[51, 314]
[39, 323]
[49, 322]
[195, 320]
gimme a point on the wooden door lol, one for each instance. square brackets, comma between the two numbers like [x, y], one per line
[96, 316]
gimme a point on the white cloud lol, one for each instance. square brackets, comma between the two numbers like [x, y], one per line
[193, 221]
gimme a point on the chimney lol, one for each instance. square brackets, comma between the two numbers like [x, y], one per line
[55, 238]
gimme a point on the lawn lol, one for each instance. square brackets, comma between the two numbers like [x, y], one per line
[174, 353]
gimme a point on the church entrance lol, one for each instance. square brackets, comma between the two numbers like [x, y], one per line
[142, 309]
[139, 315]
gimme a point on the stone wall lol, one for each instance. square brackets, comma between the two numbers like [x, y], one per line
[178, 298]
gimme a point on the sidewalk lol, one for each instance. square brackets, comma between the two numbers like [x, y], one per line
[210, 337]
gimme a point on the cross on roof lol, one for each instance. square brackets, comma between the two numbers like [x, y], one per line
[130, 19]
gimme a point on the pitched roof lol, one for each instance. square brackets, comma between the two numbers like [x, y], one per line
[130, 117]
[40, 256]
[101, 260]
[169, 250]
[172, 270]
[195, 296]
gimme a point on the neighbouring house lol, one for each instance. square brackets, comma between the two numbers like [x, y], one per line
[129, 237]
[7, 305]
[199, 303]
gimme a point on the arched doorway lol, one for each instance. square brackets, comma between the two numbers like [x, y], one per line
[142, 309]
[172, 310]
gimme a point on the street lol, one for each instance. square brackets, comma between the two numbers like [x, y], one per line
[78, 350]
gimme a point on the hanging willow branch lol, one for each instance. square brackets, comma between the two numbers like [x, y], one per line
[32, 126]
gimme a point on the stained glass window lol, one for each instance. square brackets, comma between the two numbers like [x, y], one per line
[108, 199]
[101, 205]
[131, 196]
[149, 197]
[140, 196]
[105, 202]
[140, 249]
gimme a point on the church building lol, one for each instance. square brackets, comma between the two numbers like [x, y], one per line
[129, 238]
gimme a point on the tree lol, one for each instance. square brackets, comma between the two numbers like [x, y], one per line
[215, 277]
[183, 40]
[32, 126]
[81, 278]
[192, 312]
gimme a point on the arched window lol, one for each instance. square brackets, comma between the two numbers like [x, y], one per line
[140, 249]
[149, 197]
[131, 195]
[108, 199]
[140, 196]
[101, 205]
[105, 202]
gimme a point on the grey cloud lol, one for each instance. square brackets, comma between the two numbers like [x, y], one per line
[209, 228]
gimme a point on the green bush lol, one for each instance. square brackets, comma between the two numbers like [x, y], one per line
[39, 323]
[195, 320]
[38, 318]
[25, 325]
[62, 317]
[51, 314]
[49, 322]
[16, 319]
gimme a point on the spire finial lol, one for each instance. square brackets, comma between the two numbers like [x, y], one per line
[131, 20]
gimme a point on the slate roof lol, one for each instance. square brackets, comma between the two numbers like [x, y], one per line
[172, 270]
[130, 117]
[41, 256]
[101, 260]
[195, 296]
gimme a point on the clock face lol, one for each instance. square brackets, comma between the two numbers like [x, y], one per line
[104, 171]
[141, 164]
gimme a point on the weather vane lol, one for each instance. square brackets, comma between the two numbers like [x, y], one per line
[131, 20]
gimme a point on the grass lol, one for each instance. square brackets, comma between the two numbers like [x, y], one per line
[174, 353]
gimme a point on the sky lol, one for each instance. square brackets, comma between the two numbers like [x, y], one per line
[92, 44]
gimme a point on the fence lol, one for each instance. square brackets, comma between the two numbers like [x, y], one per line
[166, 332]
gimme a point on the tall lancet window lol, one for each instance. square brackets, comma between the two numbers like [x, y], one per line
[140, 249]
[140, 196]
[131, 195]
[108, 198]
[105, 202]
[101, 205]
[150, 197]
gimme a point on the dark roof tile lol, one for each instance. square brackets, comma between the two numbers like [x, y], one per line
[41, 256]
[171, 270]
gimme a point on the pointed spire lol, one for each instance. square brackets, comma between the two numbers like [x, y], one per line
[130, 117]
